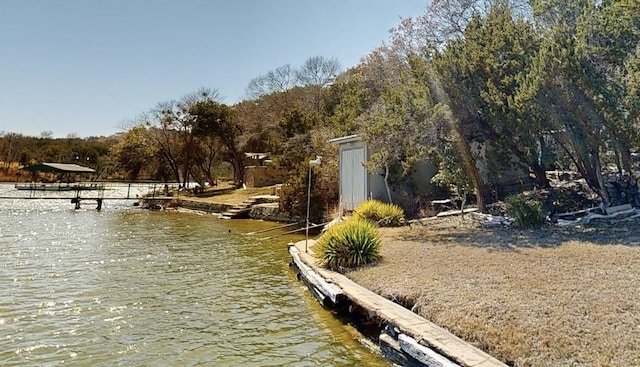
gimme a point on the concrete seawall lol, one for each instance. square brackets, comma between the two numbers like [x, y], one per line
[264, 211]
[203, 206]
[406, 338]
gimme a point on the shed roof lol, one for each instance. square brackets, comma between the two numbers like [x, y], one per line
[58, 168]
[345, 139]
[256, 155]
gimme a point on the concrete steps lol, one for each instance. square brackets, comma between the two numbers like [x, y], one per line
[242, 210]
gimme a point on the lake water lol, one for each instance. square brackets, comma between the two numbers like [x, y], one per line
[130, 287]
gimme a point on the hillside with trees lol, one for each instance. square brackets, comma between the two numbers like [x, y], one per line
[494, 92]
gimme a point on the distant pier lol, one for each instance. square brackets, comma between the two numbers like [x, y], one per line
[150, 202]
[81, 193]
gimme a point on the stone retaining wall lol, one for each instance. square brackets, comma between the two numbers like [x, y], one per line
[203, 206]
[406, 338]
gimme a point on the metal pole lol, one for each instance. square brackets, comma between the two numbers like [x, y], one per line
[306, 242]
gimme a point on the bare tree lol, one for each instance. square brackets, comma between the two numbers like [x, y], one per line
[445, 20]
[279, 80]
[10, 146]
[319, 71]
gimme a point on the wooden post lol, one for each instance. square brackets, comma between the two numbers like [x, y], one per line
[76, 200]
[306, 241]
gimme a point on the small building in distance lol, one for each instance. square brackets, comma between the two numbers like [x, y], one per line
[259, 172]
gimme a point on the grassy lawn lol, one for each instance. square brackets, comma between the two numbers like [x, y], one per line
[235, 196]
[550, 297]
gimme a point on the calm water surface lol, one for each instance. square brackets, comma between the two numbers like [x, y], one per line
[129, 287]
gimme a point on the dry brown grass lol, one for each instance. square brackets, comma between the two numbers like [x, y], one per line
[235, 196]
[9, 174]
[551, 297]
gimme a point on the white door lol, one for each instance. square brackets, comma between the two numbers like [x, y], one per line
[353, 177]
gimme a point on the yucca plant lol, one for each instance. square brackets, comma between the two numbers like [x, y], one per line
[349, 244]
[383, 214]
[525, 212]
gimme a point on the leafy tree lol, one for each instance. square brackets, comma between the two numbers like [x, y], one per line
[170, 127]
[207, 159]
[608, 38]
[444, 21]
[259, 120]
[392, 131]
[324, 178]
[346, 99]
[135, 154]
[451, 171]
[484, 72]
[296, 122]
[576, 84]
[217, 120]
[415, 39]
[561, 97]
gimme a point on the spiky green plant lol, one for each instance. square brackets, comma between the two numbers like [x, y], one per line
[383, 214]
[349, 244]
[525, 212]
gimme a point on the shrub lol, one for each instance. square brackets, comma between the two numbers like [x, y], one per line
[525, 212]
[324, 191]
[383, 214]
[350, 244]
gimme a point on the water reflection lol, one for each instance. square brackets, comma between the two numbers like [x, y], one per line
[128, 287]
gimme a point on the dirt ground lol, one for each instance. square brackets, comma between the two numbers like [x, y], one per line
[550, 297]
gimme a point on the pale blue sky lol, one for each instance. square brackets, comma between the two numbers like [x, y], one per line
[86, 67]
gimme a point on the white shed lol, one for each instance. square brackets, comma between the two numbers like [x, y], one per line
[356, 184]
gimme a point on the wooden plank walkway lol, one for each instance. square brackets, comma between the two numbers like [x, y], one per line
[406, 322]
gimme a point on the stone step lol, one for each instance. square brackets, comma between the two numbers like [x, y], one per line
[233, 213]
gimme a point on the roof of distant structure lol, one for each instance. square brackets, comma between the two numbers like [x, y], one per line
[257, 155]
[59, 168]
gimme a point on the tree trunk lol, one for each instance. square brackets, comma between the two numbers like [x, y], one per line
[542, 182]
[601, 183]
[174, 167]
[463, 202]
[472, 170]
[625, 157]
[238, 172]
[386, 181]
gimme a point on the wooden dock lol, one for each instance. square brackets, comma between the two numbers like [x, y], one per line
[97, 199]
